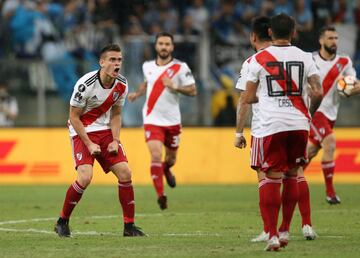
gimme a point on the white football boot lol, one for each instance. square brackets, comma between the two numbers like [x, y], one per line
[263, 237]
[273, 244]
[284, 238]
[308, 232]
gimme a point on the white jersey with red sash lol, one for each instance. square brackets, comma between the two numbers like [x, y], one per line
[97, 101]
[161, 105]
[282, 73]
[330, 70]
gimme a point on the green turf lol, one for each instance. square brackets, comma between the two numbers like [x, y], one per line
[202, 221]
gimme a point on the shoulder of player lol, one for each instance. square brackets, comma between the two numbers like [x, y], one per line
[343, 55]
[121, 78]
[149, 63]
[177, 61]
[89, 78]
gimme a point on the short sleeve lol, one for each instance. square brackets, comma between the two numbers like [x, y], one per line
[253, 72]
[144, 72]
[79, 95]
[122, 98]
[349, 69]
[185, 76]
[241, 82]
[312, 67]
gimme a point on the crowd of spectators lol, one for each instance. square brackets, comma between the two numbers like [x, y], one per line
[63, 32]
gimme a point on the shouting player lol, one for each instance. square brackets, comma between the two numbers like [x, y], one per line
[165, 79]
[331, 66]
[94, 125]
[277, 80]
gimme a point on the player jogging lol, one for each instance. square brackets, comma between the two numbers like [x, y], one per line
[331, 66]
[94, 126]
[165, 78]
[277, 80]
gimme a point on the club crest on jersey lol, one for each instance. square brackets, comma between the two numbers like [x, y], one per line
[115, 96]
[339, 67]
[170, 72]
[79, 155]
[81, 88]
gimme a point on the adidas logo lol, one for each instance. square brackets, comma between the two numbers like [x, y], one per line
[94, 98]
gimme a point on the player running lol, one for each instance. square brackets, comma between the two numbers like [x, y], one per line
[165, 79]
[331, 66]
[94, 125]
[277, 81]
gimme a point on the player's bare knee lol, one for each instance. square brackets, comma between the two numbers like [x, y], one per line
[156, 157]
[124, 175]
[170, 161]
[84, 179]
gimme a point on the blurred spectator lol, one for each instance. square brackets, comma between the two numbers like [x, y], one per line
[161, 14]
[303, 16]
[283, 6]
[322, 12]
[8, 106]
[246, 10]
[199, 14]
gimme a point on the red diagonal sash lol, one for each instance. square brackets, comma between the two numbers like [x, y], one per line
[333, 73]
[297, 101]
[159, 86]
[90, 117]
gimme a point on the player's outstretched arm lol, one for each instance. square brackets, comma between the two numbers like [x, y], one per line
[140, 91]
[75, 121]
[316, 92]
[115, 125]
[242, 112]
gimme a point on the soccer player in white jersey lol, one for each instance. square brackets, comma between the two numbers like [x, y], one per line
[259, 39]
[94, 125]
[165, 79]
[277, 81]
[331, 66]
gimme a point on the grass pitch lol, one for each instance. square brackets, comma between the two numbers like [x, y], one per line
[202, 221]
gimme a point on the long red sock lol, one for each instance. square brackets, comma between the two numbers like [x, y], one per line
[127, 201]
[272, 203]
[261, 205]
[73, 196]
[157, 173]
[290, 196]
[304, 201]
[328, 168]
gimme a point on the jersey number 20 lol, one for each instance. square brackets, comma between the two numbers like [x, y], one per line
[284, 78]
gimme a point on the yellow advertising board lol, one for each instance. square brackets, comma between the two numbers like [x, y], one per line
[206, 156]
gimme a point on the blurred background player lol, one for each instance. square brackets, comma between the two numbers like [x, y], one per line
[281, 73]
[94, 125]
[8, 106]
[165, 79]
[259, 39]
[331, 66]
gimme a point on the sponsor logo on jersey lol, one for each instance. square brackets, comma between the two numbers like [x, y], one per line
[78, 97]
[339, 67]
[79, 155]
[115, 96]
[81, 88]
[170, 72]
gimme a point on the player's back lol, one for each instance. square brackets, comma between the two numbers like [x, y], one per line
[282, 72]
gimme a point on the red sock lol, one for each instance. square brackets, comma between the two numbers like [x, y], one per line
[290, 196]
[272, 203]
[157, 173]
[261, 205]
[73, 196]
[304, 201]
[328, 168]
[127, 201]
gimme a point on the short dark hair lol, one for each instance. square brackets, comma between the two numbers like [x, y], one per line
[282, 26]
[260, 26]
[325, 29]
[164, 34]
[110, 47]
